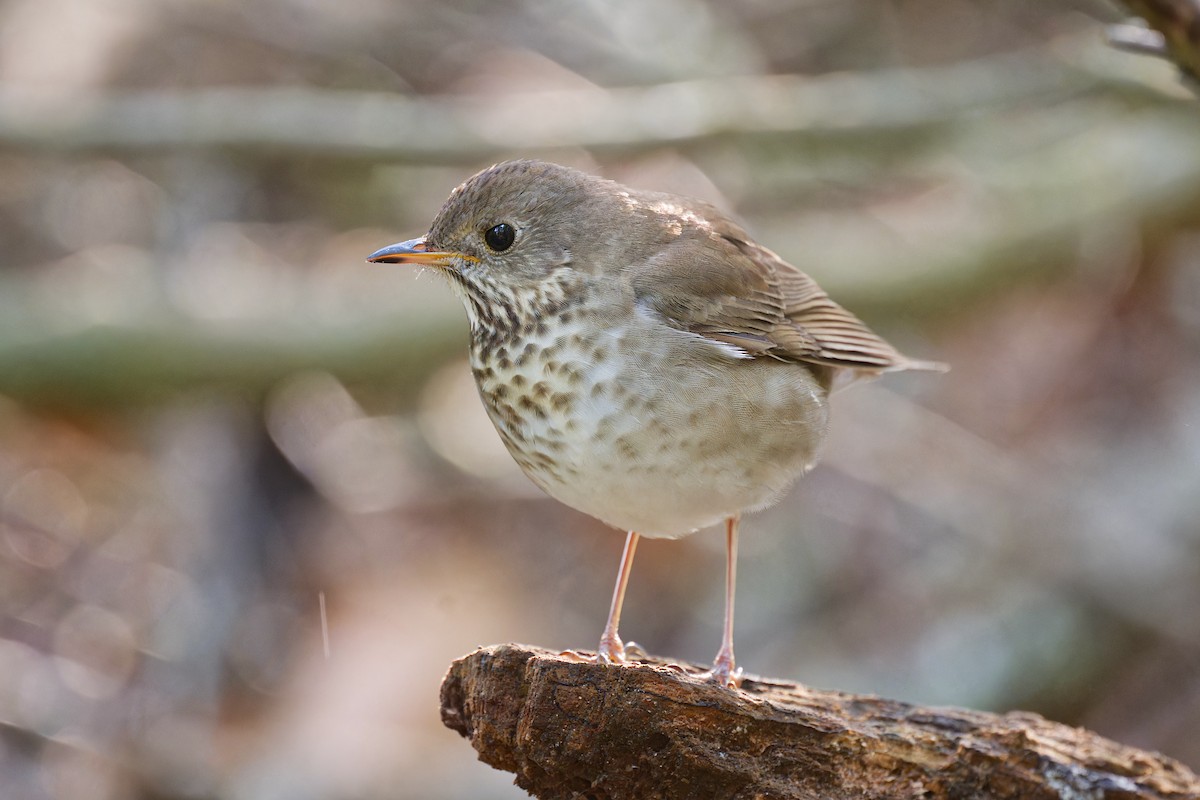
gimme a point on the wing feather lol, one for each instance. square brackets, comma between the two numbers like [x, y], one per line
[713, 281]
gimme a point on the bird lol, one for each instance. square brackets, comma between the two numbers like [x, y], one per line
[644, 360]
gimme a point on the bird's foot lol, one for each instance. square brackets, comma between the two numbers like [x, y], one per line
[723, 672]
[611, 649]
[635, 652]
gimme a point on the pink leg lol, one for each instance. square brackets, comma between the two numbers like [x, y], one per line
[724, 670]
[612, 649]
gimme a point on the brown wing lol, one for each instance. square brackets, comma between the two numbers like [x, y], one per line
[713, 281]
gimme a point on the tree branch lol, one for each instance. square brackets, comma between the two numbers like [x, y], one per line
[1174, 33]
[114, 366]
[570, 730]
[468, 128]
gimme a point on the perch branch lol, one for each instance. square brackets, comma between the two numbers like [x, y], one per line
[571, 730]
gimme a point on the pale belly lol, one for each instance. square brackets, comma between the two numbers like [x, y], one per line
[648, 444]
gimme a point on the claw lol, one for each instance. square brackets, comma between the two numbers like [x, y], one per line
[635, 652]
[723, 675]
[611, 649]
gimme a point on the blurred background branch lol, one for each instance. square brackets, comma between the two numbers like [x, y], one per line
[1174, 33]
[1116, 169]
[116, 365]
[465, 129]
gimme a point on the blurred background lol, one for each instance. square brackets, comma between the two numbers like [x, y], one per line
[216, 419]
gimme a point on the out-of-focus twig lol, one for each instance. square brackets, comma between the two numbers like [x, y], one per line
[1174, 33]
[469, 128]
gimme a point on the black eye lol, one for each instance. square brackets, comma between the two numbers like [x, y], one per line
[501, 237]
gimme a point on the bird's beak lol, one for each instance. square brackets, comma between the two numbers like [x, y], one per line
[413, 251]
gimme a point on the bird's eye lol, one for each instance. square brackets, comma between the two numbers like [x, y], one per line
[501, 237]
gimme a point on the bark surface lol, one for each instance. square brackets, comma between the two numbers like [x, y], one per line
[570, 729]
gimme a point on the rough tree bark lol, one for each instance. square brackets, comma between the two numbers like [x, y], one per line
[580, 730]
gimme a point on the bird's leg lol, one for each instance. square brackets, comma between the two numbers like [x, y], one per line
[724, 671]
[611, 649]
